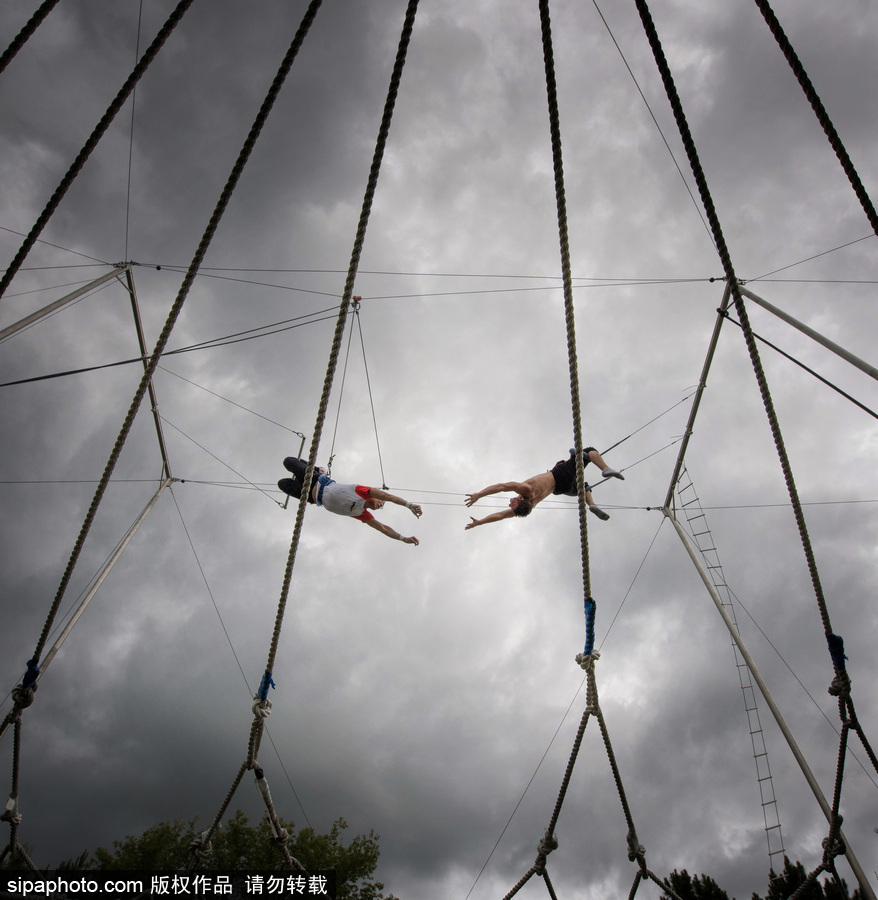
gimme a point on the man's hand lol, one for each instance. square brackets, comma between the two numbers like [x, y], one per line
[472, 524]
[472, 499]
[409, 540]
[415, 509]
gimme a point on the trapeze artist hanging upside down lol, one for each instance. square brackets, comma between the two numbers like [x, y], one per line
[352, 500]
[560, 480]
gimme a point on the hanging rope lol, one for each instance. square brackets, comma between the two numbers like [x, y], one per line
[27, 687]
[820, 111]
[732, 281]
[99, 131]
[801, 365]
[560, 199]
[215, 218]
[366, 209]
[21, 38]
[841, 683]
[588, 658]
[262, 705]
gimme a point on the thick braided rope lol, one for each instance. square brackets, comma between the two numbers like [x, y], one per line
[150, 368]
[521, 882]
[571, 762]
[12, 815]
[380, 145]
[732, 281]
[858, 728]
[820, 111]
[281, 836]
[549, 886]
[195, 859]
[635, 851]
[99, 131]
[560, 198]
[22, 37]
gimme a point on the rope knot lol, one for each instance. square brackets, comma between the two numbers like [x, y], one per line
[548, 843]
[832, 847]
[636, 850]
[586, 661]
[201, 846]
[23, 695]
[11, 813]
[841, 684]
[261, 708]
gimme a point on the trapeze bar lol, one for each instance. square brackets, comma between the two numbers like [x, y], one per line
[865, 887]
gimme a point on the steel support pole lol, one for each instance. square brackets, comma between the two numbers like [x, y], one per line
[865, 887]
[144, 353]
[68, 298]
[103, 574]
[814, 335]
[702, 383]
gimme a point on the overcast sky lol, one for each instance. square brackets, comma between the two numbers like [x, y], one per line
[431, 692]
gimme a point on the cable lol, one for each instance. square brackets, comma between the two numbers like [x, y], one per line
[658, 127]
[204, 345]
[232, 647]
[208, 452]
[371, 401]
[810, 258]
[131, 133]
[227, 400]
[810, 371]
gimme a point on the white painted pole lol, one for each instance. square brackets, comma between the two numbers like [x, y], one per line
[68, 298]
[100, 579]
[865, 887]
[814, 335]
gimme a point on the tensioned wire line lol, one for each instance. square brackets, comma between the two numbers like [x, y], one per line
[232, 648]
[239, 337]
[369, 388]
[262, 706]
[809, 370]
[563, 718]
[655, 122]
[100, 129]
[176, 308]
[208, 452]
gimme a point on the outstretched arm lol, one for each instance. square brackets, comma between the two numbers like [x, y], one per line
[494, 517]
[394, 535]
[378, 494]
[513, 486]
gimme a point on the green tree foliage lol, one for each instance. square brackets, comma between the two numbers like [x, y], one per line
[794, 875]
[780, 887]
[698, 887]
[238, 845]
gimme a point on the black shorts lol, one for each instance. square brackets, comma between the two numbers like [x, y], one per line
[564, 473]
[293, 486]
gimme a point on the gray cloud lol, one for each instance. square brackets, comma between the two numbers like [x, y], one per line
[418, 689]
